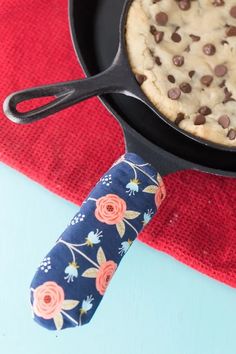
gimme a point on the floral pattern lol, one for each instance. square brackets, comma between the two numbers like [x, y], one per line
[49, 301]
[71, 271]
[132, 187]
[86, 256]
[104, 276]
[125, 247]
[110, 209]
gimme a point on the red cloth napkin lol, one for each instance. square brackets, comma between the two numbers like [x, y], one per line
[68, 152]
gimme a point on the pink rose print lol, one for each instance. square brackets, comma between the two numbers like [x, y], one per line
[160, 194]
[105, 273]
[110, 209]
[48, 299]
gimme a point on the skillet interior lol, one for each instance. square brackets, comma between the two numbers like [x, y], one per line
[96, 24]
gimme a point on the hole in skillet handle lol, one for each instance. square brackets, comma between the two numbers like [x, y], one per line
[33, 104]
[29, 105]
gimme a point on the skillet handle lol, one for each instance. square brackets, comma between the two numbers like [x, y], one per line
[66, 94]
[72, 279]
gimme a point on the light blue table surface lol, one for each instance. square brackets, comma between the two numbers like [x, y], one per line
[154, 305]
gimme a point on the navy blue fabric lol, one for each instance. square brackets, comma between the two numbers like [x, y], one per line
[71, 280]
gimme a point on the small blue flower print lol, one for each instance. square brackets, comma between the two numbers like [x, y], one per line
[87, 304]
[106, 180]
[45, 265]
[93, 238]
[124, 247]
[147, 216]
[71, 271]
[132, 187]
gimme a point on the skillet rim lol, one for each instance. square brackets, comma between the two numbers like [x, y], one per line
[186, 164]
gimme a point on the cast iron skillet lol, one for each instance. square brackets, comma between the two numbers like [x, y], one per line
[165, 144]
[147, 132]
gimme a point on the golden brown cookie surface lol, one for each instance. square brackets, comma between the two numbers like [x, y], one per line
[184, 56]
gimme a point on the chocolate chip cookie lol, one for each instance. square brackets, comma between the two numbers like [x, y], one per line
[183, 54]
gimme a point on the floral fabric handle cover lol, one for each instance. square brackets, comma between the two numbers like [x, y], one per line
[71, 280]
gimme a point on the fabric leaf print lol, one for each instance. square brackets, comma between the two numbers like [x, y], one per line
[90, 273]
[121, 228]
[69, 304]
[150, 189]
[58, 321]
[130, 214]
[101, 256]
[159, 179]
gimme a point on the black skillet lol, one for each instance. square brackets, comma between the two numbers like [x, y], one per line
[96, 28]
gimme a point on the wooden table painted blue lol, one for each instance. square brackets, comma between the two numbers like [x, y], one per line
[154, 305]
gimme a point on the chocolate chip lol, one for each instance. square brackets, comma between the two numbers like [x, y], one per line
[171, 78]
[151, 52]
[195, 38]
[204, 110]
[174, 93]
[158, 61]
[228, 96]
[187, 49]
[231, 134]
[141, 78]
[220, 70]
[184, 4]
[224, 42]
[153, 30]
[209, 49]
[233, 11]
[191, 73]
[231, 31]
[218, 2]
[199, 119]
[185, 87]
[224, 121]
[155, 1]
[162, 18]
[222, 84]
[178, 60]
[159, 35]
[206, 80]
[179, 118]
[176, 37]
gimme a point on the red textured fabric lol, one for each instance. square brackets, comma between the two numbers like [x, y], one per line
[67, 153]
